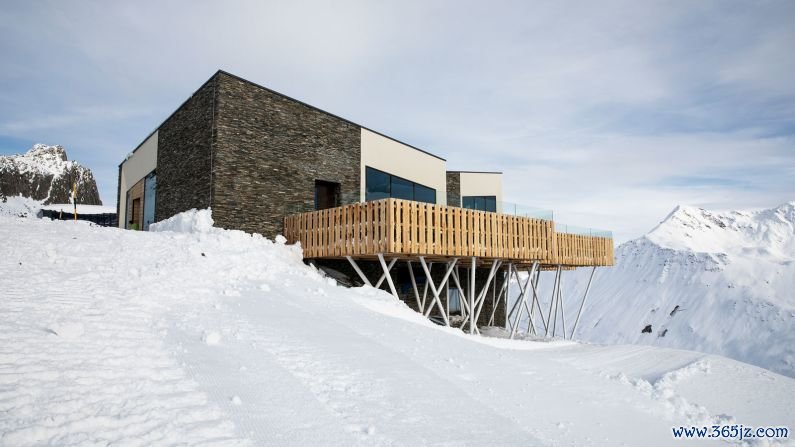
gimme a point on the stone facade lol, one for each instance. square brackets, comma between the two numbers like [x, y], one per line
[268, 152]
[254, 155]
[184, 155]
[454, 189]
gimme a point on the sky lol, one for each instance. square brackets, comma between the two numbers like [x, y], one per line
[610, 113]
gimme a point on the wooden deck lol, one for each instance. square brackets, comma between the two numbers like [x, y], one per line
[406, 229]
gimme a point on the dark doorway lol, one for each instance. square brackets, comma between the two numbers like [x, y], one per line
[327, 194]
[135, 221]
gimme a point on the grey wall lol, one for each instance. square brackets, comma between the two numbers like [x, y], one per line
[184, 156]
[268, 152]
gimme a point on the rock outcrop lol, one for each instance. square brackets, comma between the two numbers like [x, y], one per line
[44, 173]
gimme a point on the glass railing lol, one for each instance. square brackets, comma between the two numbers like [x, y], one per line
[582, 231]
[515, 209]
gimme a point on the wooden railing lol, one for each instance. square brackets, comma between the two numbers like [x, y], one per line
[403, 227]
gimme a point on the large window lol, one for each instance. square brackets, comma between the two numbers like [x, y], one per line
[150, 187]
[381, 185]
[482, 203]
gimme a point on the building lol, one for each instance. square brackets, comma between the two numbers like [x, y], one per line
[355, 199]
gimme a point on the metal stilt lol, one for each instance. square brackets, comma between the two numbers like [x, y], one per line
[536, 300]
[552, 301]
[508, 295]
[562, 305]
[414, 286]
[472, 268]
[584, 297]
[384, 275]
[388, 275]
[485, 290]
[521, 301]
[359, 271]
[434, 290]
[500, 296]
[461, 294]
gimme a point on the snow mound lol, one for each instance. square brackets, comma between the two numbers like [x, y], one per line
[18, 206]
[191, 221]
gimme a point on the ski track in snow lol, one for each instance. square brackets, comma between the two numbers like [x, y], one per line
[221, 338]
[78, 369]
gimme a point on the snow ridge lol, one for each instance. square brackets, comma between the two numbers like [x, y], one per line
[715, 282]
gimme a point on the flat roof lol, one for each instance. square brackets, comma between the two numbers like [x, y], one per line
[283, 96]
[477, 172]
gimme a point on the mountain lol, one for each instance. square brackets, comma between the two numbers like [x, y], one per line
[715, 282]
[45, 174]
[193, 335]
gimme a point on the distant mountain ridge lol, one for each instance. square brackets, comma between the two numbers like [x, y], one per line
[715, 282]
[44, 173]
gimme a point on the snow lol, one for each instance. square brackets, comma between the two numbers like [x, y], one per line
[714, 282]
[193, 221]
[18, 206]
[40, 159]
[194, 334]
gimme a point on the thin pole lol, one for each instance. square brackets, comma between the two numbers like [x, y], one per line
[534, 285]
[587, 288]
[552, 301]
[359, 271]
[522, 301]
[462, 296]
[388, 276]
[472, 295]
[536, 301]
[414, 286]
[507, 293]
[557, 303]
[434, 290]
[384, 275]
[425, 288]
[499, 300]
[516, 303]
[522, 296]
[482, 296]
[561, 303]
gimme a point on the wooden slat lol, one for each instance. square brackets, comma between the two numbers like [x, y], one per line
[412, 228]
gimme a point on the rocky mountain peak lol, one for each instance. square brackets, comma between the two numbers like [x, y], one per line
[47, 153]
[44, 173]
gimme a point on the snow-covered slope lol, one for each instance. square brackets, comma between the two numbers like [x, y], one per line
[219, 337]
[721, 283]
[45, 174]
